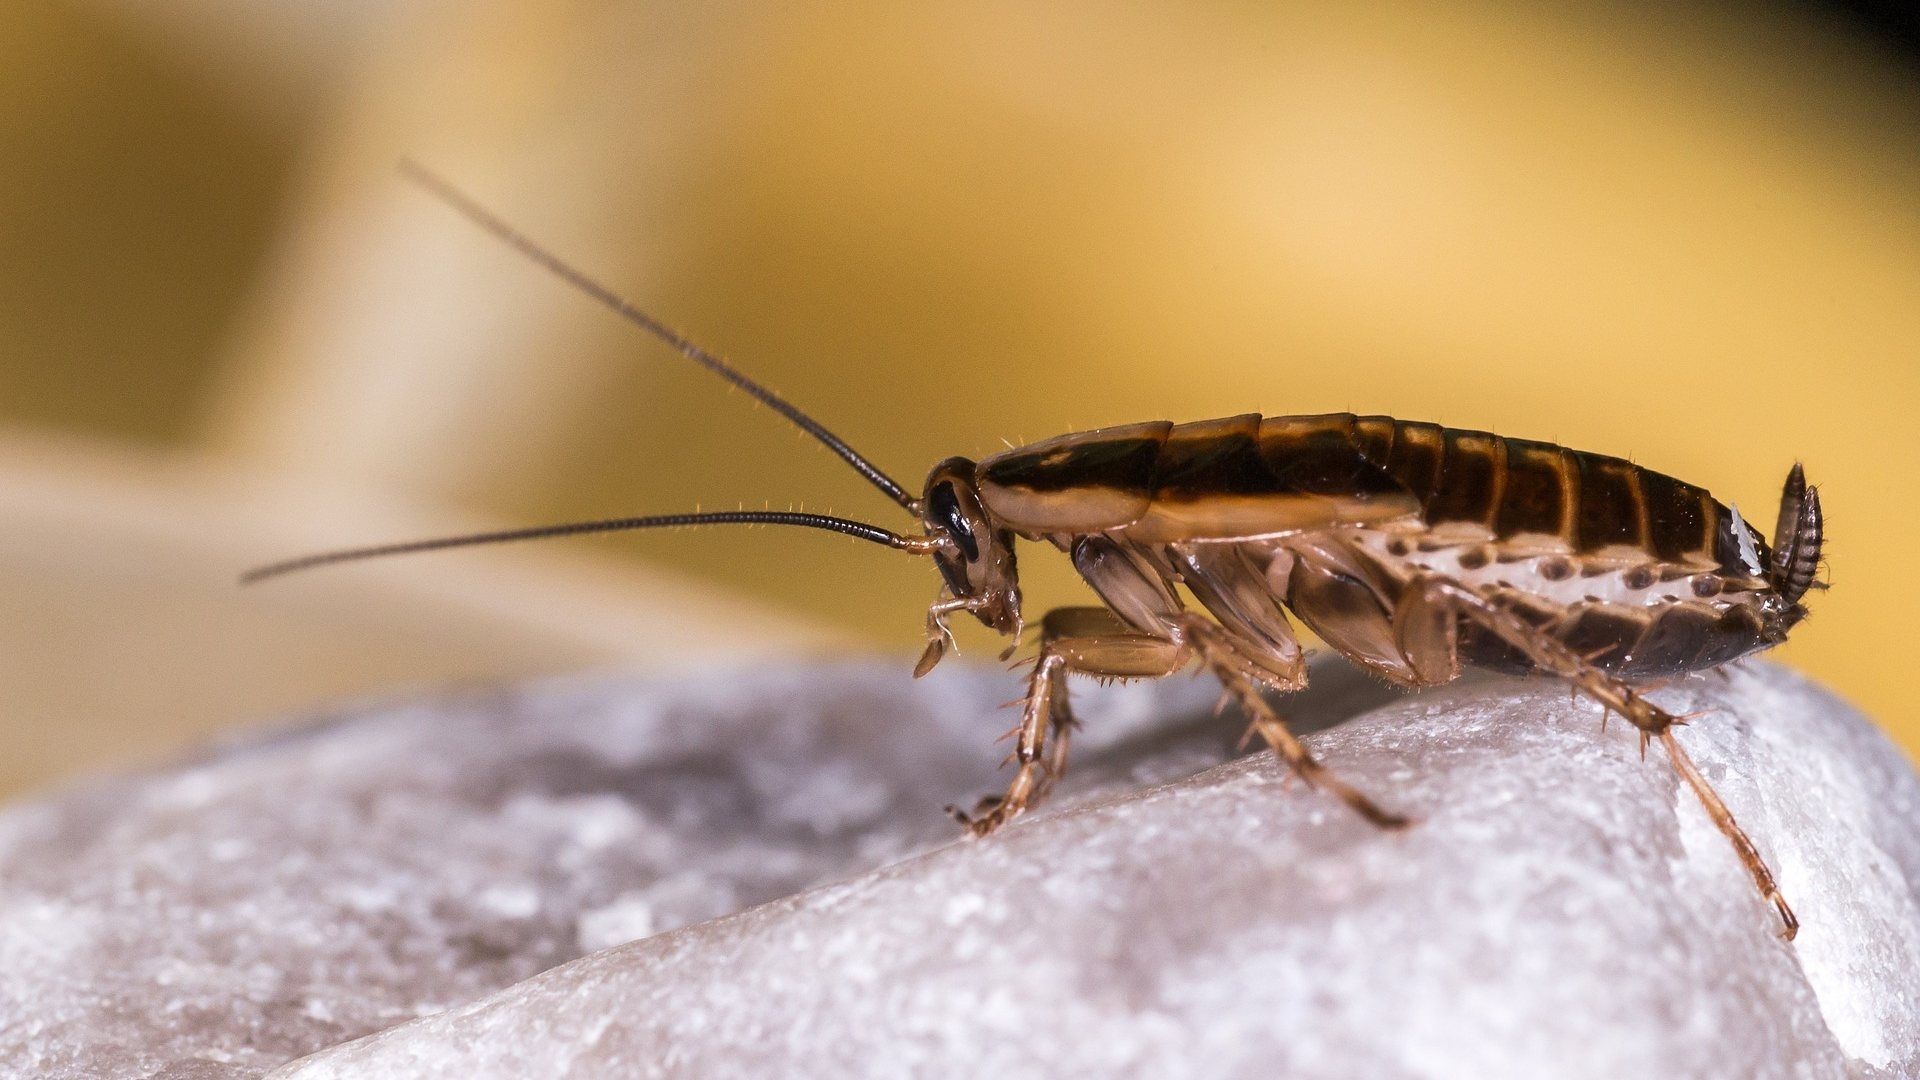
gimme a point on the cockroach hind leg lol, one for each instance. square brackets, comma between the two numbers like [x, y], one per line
[1789, 922]
[1653, 722]
[1722, 817]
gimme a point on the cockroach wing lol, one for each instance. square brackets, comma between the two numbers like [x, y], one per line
[1228, 479]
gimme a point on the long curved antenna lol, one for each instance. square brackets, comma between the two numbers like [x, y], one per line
[857, 529]
[518, 240]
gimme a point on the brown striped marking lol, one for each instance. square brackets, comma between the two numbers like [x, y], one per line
[1518, 487]
[1247, 476]
[1085, 482]
[1215, 479]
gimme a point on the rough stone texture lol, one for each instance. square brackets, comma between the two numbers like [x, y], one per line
[1563, 909]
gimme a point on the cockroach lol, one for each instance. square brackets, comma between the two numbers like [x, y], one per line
[1409, 548]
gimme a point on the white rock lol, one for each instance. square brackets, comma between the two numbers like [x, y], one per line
[1563, 909]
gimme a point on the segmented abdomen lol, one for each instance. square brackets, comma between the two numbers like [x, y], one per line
[1248, 475]
[1517, 486]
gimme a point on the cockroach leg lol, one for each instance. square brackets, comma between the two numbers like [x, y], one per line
[1040, 714]
[1216, 650]
[1723, 817]
[1062, 735]
[1653, 722]
[1089, 641]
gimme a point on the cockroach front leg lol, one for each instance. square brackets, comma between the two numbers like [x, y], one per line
[1090, 641]
[1427, 605]
[1043, 713]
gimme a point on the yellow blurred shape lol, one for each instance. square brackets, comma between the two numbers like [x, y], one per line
[1687, 235]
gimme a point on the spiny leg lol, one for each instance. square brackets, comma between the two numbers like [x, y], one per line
[1216, 650]
[1427, 595]
[1043, 712]
[1092, 641]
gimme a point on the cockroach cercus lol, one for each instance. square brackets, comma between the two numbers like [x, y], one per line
[1409, 548]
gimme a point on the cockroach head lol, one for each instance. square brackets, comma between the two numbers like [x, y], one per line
[974, 553]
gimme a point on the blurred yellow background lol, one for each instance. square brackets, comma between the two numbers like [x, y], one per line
[1690, 237]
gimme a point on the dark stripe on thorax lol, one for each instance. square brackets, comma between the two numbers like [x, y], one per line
[1120, 459]
[1278, 456]
[1212, 457]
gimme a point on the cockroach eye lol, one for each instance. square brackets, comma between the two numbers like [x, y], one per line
[946, 510]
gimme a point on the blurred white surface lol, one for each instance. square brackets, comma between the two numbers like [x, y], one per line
[1563, 908]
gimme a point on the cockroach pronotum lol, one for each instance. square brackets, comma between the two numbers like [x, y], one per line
[1409, 548]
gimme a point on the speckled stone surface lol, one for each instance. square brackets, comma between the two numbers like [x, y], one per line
[750, 875]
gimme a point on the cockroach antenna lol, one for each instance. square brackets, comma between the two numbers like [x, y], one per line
[626, 309]
[858, 529]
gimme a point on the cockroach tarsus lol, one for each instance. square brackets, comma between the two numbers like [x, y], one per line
[1409, 548]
